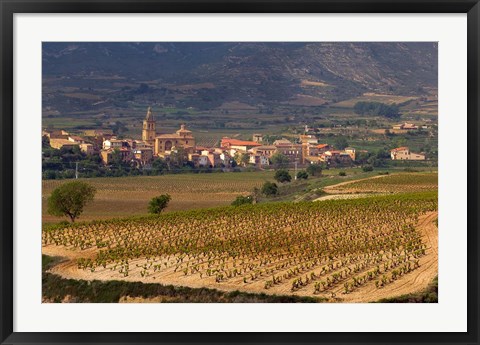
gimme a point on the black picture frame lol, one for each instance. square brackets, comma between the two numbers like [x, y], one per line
[10, 7]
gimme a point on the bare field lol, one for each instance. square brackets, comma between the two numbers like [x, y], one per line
[127, 196]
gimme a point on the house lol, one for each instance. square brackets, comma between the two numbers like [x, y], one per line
[264, 150]
[143, 154]
[125, 153]
[405, 126]
[336, 158]
[257, 137]
[198, 160]
[87, 148]
[54, 133]
[289, 149]
[63, 143]
[351, 152]
[76, 139]
[259, 160]
[114, 144]
[243, 145]
[403, 153]
[308, 139]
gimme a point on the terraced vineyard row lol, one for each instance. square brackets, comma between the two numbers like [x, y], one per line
[395, 183]
[329, 248]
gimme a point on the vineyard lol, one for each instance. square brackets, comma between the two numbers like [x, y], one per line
[343, 250]
[395, 183]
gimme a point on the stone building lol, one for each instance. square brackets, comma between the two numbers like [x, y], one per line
[163, 144]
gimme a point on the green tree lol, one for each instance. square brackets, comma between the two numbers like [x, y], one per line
[244, 159]
[159, 203]
[269, 188]
[282, 176]
[341, 143]
[69, 199]
[242, 200]
[302, 175]
[314, 170]
[279, 160]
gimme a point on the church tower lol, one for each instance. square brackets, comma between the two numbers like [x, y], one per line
[149, 132]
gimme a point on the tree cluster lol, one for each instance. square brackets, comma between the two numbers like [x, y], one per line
[377, 108]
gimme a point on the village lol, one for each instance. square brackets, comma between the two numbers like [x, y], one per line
[230, 152]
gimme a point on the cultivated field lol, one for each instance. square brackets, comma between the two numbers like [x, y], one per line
[395, 183]
[373, 97]
[126, 196]
[343, 250]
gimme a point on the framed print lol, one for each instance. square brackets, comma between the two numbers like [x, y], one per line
[202, 172]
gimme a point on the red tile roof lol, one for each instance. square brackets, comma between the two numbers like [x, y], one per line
[239, 142]
[399, 149]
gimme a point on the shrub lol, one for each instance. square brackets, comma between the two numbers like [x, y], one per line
[367, 168]
[159, 203]
[242, 200]
[270, 188]
[342, 173]
[282, 176]
[302, 175]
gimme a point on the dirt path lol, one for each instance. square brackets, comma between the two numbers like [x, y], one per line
[412, 282]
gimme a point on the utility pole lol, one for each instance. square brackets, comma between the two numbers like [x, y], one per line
[76, 170]
[295, 170]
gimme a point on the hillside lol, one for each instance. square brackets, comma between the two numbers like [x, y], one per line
[205, 76]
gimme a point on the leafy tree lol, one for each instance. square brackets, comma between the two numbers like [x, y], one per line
[159, 203]
[302, 175]
[279, 160]
[314, 170]
[341, 143]
[242, 200]
[178, 158]
[69, 199]
[282, 176]
[269, 188]
[159, 165]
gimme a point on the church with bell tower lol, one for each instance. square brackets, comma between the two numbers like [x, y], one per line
[164, 144]
[149, 131]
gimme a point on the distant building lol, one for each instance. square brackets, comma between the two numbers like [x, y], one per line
[259, 160]
[405, 126]
[403, 153]
[87, 148]
[351, 152]
[242, 145]
[143, 154]
[264, 150]
[182, 138]
[63, 143]
[258, 138]
[293, 151]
